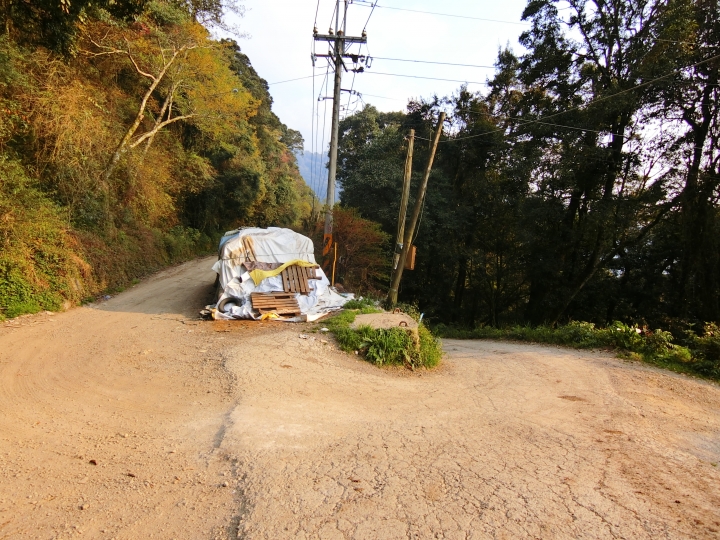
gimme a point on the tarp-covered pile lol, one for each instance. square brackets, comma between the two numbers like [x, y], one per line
[251, 261]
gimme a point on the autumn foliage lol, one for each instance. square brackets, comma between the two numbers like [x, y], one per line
[132, 144]
[362, 250]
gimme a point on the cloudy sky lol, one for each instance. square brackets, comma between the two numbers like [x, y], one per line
[280, 43]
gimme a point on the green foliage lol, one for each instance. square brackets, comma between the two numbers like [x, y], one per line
[430, 347]
[54, 24]
[706, 350]
[385, 346]
[362, 303]
[534, 222]
[39, 267]
[699, 355]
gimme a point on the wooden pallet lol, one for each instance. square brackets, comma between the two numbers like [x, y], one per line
[281, 303]
[295, 278]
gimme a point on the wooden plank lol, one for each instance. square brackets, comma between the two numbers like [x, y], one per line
[290, 311]
[281, 303]
[289, 287]
[293, 273]
[298, 280]
[307, 280]
[285, 280]
[303, 280]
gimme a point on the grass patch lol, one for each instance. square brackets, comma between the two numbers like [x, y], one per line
[363, 305]
[384, 346]
[693, 354]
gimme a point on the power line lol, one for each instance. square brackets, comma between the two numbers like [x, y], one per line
[296, 79]
[420, 77]
[430, 62]
[322, 146]
[312, 133]
[453, 15]
[593, 101]
[371, 12]
[352, 85]
[381, 97]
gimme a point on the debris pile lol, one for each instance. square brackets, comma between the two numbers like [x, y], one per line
[271, 274]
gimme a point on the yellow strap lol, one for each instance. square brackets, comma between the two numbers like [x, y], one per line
[258, 275]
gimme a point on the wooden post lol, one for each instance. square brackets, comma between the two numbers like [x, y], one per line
[404, 200]
[334, 261]
[410, 231]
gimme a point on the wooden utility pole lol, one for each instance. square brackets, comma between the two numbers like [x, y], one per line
[338, 39]
[410, 231]
[404, 200]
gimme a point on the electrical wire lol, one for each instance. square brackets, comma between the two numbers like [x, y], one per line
[429, 62]
[371, 12]
[454, 16]
[317, 9]
[315, 178]
[352, 85]
[296, 79]
[593, 101]
[333, 15]
[382, 97]
[322, 148]
[420, 77]
[312, 130]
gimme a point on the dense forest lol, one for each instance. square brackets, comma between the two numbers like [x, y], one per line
[583, 185]
[129, 139]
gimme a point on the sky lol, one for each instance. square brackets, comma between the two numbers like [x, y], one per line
[280, 43]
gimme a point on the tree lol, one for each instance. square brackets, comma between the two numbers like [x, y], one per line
[181, 66]
[54, 23]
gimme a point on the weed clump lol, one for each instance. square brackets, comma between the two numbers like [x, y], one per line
[384, 346]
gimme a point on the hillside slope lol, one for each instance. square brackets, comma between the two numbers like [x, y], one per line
[130, 143]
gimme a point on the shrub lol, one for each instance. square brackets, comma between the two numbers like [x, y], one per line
[39, 267]
[702, 356]
[706, 350]
[385, 346]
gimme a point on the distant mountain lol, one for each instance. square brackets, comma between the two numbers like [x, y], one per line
[313, 168]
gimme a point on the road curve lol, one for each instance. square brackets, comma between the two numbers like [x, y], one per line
[131, 419]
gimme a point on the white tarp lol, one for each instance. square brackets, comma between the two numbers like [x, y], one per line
[271, 245]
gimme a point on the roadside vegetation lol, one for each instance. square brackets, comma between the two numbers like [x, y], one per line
[130, 139]
[582, 185]
[384, 346]
[692, 354]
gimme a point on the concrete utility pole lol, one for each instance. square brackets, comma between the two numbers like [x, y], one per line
[338, 39]
[410, 231]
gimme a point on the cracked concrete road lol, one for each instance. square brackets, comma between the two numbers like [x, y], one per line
[246, 430]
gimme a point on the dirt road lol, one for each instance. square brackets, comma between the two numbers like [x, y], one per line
[130, 419]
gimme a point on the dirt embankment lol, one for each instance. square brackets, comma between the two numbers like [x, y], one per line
[130, 419]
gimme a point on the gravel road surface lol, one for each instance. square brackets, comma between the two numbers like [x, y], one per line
[129, 419]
